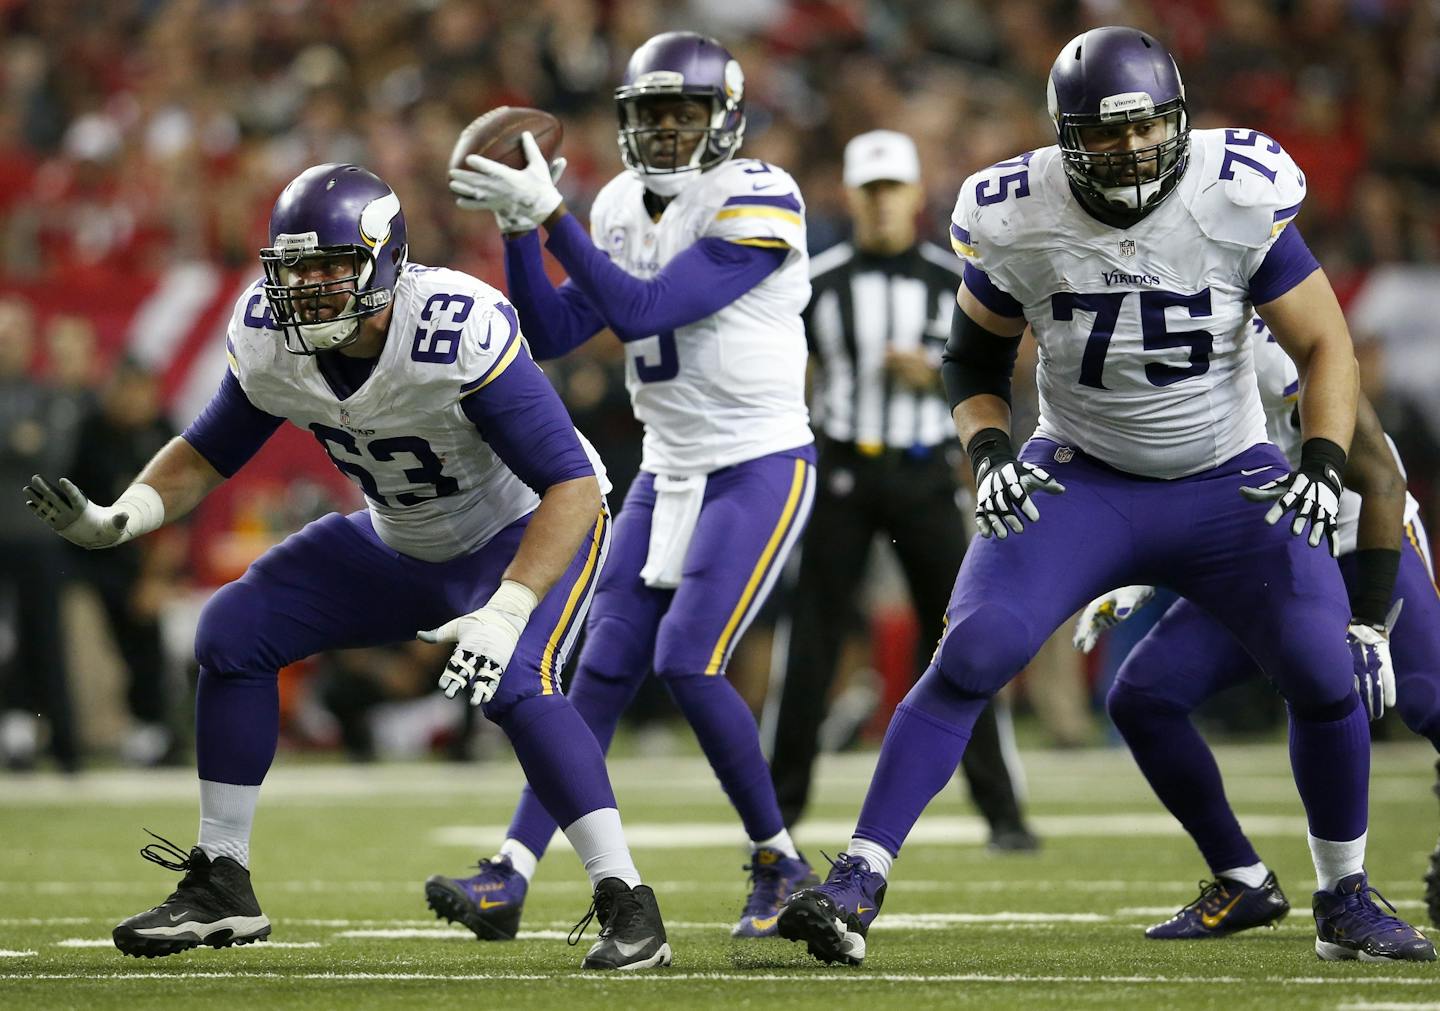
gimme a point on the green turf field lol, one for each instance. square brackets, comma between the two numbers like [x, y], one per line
[340, 852]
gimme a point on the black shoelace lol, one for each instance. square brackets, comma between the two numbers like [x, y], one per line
[172, 858]
[615, 909]
[163, 851]
[578, 931]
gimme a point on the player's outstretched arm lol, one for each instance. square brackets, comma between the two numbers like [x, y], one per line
[557, 320]
[1310, 327]
[171, 484]
[976, 367]
[699, 282]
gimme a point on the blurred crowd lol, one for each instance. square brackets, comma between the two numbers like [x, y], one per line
[138, 136]
[135, 134]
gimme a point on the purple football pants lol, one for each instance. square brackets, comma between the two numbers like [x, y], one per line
[336, 585]
[751, 517]
[1283, 600]
[1187, 657]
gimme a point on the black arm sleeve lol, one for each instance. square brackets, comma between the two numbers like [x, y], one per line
[976, 361]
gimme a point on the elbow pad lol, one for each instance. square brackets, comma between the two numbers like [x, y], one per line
[977, 361]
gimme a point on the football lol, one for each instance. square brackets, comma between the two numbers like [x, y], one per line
[496, 135]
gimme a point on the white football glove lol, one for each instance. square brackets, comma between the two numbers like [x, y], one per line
[486, 641]
[1313, 497]
[67, 511]
[520, 198]
[1374, 671]
[1002, 495]
[1107, 611]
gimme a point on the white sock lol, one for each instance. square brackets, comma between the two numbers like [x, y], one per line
[600, 841]
[227, 812]
[1251, 877]
[780, 841]
[521, 858]
[878, 857]
[1336, 860]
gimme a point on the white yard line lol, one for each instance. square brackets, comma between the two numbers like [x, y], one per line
[799, 977]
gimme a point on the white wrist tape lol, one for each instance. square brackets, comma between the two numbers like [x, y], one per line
[514, 601]
[146, 512]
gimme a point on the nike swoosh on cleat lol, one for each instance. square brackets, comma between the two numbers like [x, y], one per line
[1211, 922]
[493, 903]
[1257, 470]
[763, 922]
[629, 950]
[862, 910]
[176, 917]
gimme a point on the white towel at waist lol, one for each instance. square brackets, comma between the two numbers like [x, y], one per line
[672, 524]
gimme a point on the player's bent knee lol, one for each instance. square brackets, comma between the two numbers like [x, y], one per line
[984, 649]
[1313, 673]
[1132, 707]
[231, 634]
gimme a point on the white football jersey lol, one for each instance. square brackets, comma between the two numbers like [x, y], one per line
[730, 387]
[1280, 394]
[1145, 357]
[435, 488]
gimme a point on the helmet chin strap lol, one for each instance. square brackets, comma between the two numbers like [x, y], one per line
[668, 184]
[1125, 196]
[331, 334]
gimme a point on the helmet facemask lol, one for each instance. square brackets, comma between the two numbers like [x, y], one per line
[304, 284]
[716, 137]
[1125, 184]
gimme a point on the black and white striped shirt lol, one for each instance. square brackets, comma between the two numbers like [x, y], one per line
[862, 304]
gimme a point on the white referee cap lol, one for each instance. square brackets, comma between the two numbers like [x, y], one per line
[881, 154]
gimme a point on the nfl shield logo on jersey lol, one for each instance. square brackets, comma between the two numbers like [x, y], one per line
[1065, 454]
[1127, 247]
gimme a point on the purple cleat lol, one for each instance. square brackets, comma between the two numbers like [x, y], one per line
[1224, 907]
[773, 876]
[1349, 925]
[834, 918]
[488, 903]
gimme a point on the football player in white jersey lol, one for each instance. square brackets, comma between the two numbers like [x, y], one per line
[482, 502]
[1187, 657]
[696, 260]
[1135, 251]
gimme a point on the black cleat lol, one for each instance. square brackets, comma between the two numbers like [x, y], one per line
[1014, 838]
[834, 919]
[631, 933]
[214, 905]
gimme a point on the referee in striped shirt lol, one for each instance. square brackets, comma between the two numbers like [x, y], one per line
[878, 318]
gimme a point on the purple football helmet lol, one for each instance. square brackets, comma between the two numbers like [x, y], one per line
[1110, 76]
[335, 230]
[691, 66]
